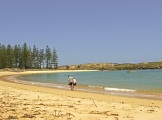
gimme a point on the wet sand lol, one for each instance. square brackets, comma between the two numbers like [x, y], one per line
[27, 102]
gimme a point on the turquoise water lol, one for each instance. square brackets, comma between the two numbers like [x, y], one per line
[134, 83]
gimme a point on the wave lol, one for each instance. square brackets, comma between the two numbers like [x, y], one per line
[112, 89]
[61, 86]
[95, 86]
[119, 89]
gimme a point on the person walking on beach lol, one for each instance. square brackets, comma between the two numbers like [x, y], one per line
[70, 82]
[74, 84]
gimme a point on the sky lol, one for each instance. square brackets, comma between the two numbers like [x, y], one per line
[86, 31]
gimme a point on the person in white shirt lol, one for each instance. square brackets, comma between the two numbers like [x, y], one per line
[70, 82]
[74, 84]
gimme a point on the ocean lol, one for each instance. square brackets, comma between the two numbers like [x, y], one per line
[138, 83]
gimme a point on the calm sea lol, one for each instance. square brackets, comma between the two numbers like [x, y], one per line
[139, 83]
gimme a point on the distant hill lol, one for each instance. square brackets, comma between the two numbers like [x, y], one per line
[113, 66]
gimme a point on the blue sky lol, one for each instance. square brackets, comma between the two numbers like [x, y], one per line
[86, 31]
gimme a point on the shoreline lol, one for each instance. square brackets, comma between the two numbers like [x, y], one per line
[82, 88]
[13, 75]
[92, 89]
[99, 102]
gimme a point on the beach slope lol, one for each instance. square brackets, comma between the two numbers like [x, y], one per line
[22, 102]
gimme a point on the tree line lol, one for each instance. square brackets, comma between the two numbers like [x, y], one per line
[25, 57]
[114, 66]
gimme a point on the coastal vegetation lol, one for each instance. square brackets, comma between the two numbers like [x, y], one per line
[113, 66]
[25, 57]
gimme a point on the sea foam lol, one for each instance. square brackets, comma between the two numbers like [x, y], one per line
[118, 89]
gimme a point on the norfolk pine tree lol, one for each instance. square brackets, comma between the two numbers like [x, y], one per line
[48, 57]
[54, 59]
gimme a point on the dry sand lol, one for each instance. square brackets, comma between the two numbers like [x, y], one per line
[27, 102]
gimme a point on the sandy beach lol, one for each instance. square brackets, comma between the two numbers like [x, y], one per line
[28, 102]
